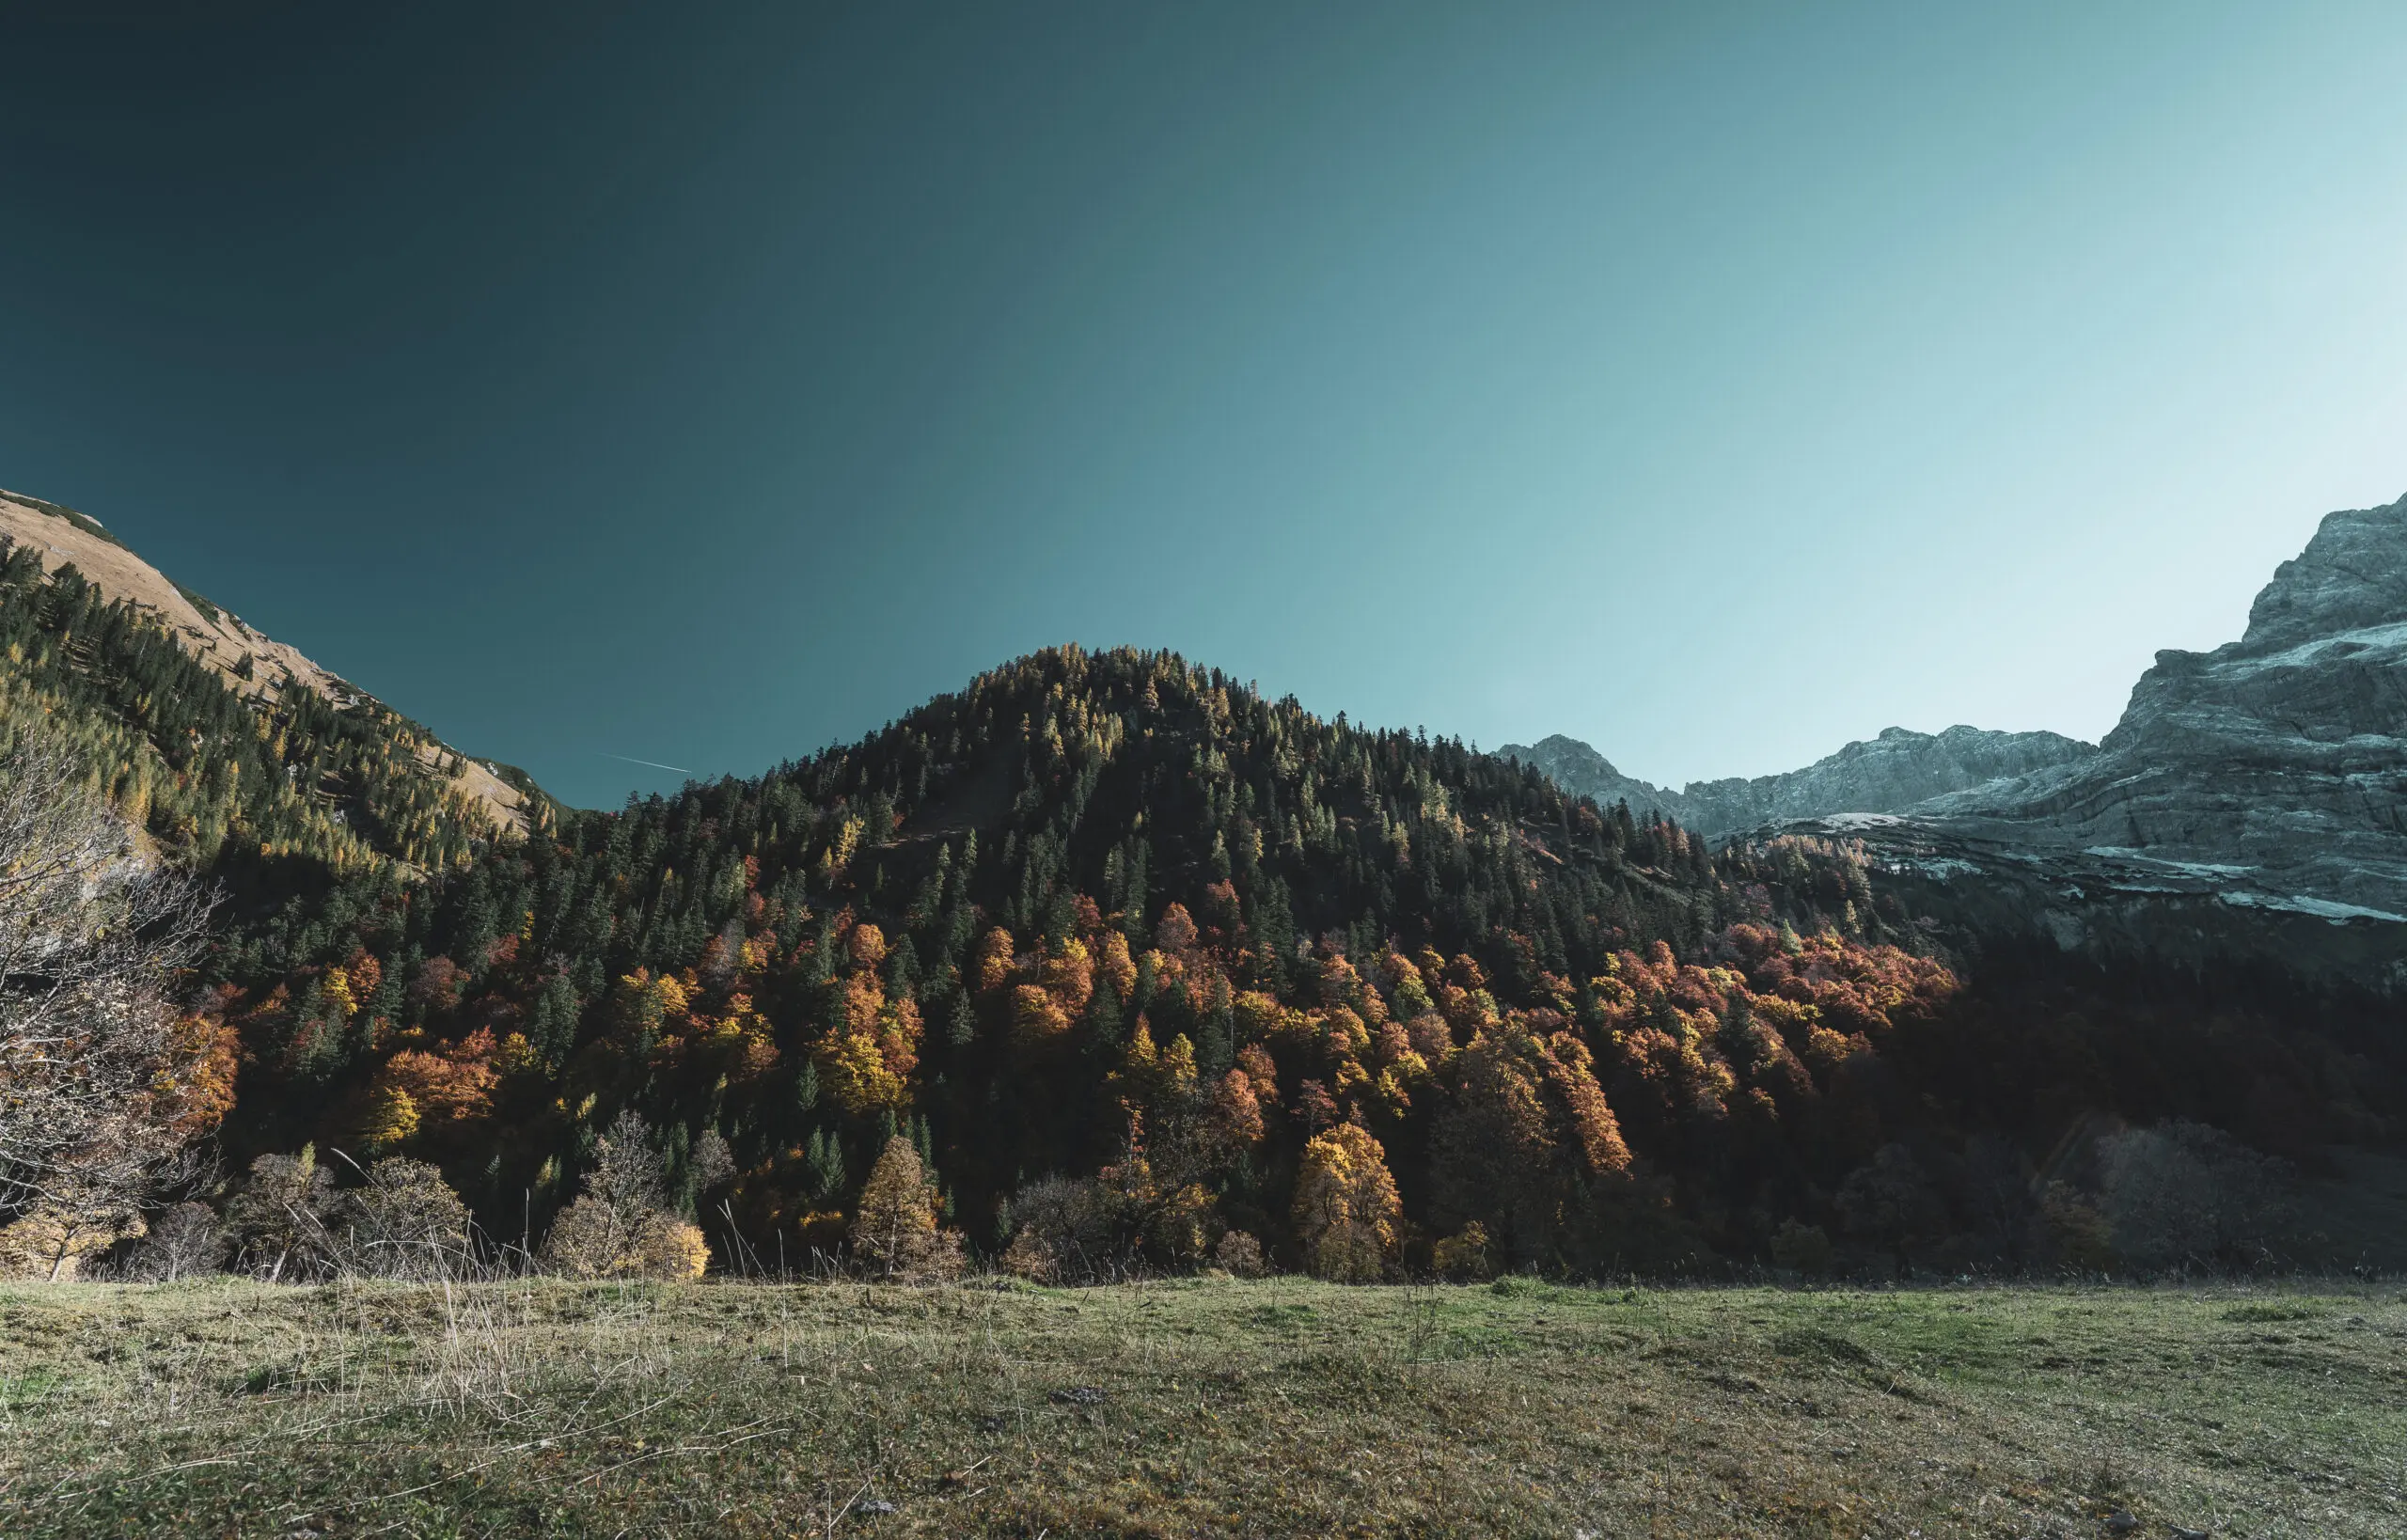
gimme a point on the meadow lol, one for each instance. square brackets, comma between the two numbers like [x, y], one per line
[1199, 1407]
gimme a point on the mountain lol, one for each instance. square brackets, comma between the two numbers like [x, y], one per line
[2251, 802]
[1123, 946]
[1086, 886]
[2275, 764]
[231, 748]
[1152, 970]
[1896, 770]
[1581, 771]
[2251, 797]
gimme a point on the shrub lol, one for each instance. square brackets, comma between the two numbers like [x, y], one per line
[1465, 1257]
[278, 1220]
[619, 1226]
[1803, 1247]
[404, 1222]
[1239, 1254]
[2182, 1194]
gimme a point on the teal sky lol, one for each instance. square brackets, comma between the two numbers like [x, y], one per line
[1716, 383]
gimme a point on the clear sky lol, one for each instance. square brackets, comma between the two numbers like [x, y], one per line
[706, 384]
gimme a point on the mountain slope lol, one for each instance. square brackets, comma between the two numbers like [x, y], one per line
[1894, 771]
[236, 754]
[2276, 764]
[2251, 802]
[246, 661]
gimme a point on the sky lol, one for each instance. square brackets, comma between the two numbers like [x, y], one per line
[708, 384]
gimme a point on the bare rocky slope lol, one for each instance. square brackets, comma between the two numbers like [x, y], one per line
[2275, 767]
[61, 536]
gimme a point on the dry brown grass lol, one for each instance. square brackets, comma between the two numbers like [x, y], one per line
[1197, 1407]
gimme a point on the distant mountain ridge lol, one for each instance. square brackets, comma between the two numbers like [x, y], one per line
[1894, 771]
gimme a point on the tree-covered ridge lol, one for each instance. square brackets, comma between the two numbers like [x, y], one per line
[268, 792]
[1116, 919]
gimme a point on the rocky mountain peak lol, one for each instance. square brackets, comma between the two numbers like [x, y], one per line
[2352, 576]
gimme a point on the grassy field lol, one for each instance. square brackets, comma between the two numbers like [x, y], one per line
[1280, 1407]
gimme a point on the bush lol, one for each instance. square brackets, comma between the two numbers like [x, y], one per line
[593, 1240]
[185, 1241]
[619, 1227]
[1465, 1257]
[1804, 1247]
[1062, 1230]
[404, 1222]
[2182, 1194]
[278, 1221]
[1239, 1254]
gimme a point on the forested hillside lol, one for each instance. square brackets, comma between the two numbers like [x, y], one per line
[1155, 970]
[262, 782]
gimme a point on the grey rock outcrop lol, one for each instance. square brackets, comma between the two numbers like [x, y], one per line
[1898, 769]
[1581, 771]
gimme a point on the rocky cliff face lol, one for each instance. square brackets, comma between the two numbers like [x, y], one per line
[2253, 800]
[1896, 770]
[2275, 767]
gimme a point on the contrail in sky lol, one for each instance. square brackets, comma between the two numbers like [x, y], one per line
[654, 764]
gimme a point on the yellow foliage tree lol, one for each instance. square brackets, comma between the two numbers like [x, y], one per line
[1346, 1207]
[387, 1117]
[1037, 1016]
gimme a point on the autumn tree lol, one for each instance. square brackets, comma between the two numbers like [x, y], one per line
[895, 1234]
[621, 1226]
[1347, 1208]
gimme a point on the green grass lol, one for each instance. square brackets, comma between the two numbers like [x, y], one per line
[1280, 1407]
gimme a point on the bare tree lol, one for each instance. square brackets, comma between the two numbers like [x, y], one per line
[185, 1241]
[96, 1089]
